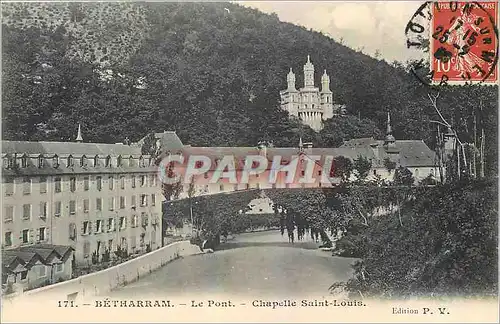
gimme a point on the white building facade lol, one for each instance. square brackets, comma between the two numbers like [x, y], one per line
[309, 103]
[96, 198]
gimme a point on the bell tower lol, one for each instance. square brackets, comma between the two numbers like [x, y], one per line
[290, 79]
[326, 97]
[308, 74]
[390, 141]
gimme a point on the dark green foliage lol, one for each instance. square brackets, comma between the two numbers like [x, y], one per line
[215, 78]
[403, 176]
[121, 252]
[343, 128]
[429, 181]
[213, 215]
[249, 222]
[447, 245]
[302, 209]
[389, 165]
[106, 256]
[362, 167]
[342, 167]
[149, 146]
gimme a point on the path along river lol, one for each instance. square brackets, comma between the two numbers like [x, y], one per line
[253, 264]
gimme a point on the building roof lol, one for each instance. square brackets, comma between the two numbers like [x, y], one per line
[168, 141]
[49, 149]
[45, 253]
[409, 153]
[62, 250]
[12, 263]
[9, 259]
[41, 252]
[25, 256]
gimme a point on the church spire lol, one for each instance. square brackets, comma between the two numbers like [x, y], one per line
[389, 130]
[389, 138]
[79, 138]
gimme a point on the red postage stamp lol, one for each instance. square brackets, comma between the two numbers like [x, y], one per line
[464, 42]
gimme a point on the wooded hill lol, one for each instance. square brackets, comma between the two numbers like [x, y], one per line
[211, 74]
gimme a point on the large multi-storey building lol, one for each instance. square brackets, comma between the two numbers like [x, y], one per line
[414, 155]
[96, 198]
[310, 104]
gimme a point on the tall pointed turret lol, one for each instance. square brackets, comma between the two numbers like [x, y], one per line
[390, 141]
[325, 83]
[308, 74]
[79, 138]
[290, 78]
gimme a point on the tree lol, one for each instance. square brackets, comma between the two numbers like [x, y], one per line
[389, 165]
[342, 167]
[54, 79]
[403, 176]
[437, 251]
[303, 209]
[343, 128]
[362, 167]
[171, 189]
[214, 215]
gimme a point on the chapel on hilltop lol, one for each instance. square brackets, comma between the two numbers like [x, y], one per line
[310, 104]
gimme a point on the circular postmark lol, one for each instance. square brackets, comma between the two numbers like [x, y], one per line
[459, 41]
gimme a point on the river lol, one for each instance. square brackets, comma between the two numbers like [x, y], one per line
[252, 264]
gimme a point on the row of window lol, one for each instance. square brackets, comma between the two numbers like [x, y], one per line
[309, 99]
[123, 243]
[95, 161]
[26, 236]
[248, 186]
[101, 226]
[9, 211]
[73, 184]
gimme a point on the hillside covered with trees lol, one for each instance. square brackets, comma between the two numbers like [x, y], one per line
[210, 71]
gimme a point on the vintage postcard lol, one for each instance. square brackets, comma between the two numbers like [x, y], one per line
[246, 161]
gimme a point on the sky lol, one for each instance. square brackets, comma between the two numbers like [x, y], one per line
[370, 25]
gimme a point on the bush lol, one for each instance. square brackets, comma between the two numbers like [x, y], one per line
[106, 256]
[121, 253]
[445, 244]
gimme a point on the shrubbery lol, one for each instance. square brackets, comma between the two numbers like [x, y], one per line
[446, 245]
